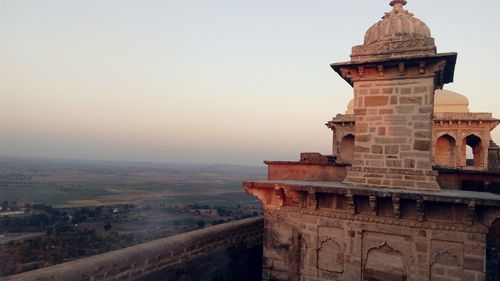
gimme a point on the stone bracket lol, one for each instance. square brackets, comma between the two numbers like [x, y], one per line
[402, 69]
[312, 200]
[420, 209]
[361, 71]
[373, 204]
[396, 207]
[422, 67]
[471, 212]
[380, 69]
[350, 202]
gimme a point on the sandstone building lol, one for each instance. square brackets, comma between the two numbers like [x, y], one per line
[409, 190]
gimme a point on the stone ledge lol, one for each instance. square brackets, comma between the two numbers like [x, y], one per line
[297, 163]
[443, 195]
[218, 246]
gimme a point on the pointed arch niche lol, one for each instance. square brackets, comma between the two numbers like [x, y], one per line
[385, 264]
[445, 153]
[346, 149]
[473, 151]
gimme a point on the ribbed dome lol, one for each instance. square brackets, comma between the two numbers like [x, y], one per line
[398, 24]
[399, 33]
[448, 101]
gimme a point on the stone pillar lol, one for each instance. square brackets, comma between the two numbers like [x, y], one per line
[393, 106]
[393, 133]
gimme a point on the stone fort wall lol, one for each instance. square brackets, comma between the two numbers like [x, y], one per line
[320, 245]
[231, 251]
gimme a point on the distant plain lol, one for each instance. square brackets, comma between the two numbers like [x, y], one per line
[77, 183]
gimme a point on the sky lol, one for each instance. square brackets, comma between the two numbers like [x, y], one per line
[196, 81]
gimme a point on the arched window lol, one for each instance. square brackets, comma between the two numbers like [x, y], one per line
[473, 151]
[346, 149]
[445, 151]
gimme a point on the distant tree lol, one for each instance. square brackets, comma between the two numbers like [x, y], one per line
[129, 239]
[201, 224]
[216, 222]
[79, 218]
[98, 211]
[107, 226]
[49, 230]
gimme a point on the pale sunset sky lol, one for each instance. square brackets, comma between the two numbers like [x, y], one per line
[197, 81]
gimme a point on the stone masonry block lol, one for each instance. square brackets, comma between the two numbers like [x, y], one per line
[381, 131]
[363, 138]
[423, 125]
[419, 90]
[374, 182]
[406, 91]
[360, 111]
[399, 131]
[474, 263]
[387, 90]
[423, 134]
[393, 163]
[410, 100]
[405, 109]
[409, 163]
[376, 101]
[391, 149]
[394, 100]
[386, 111]
[361, 149]
[389, 140]
[424, 164]
[426, 109]
[377, 163]
[422, 145]
[361, 128]
[377, 149]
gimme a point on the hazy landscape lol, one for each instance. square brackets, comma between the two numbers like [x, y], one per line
[54, 211]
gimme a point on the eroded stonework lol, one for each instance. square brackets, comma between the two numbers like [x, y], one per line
[331, 231]
[395, 200]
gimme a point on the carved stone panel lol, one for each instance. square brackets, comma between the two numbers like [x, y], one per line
[446, 260]
[386, 257]
[331, 252]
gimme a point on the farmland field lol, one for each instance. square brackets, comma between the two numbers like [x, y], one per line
[72, 183]
[53, 211]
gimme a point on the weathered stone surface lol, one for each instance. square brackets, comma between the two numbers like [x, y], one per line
[381, 223]
[231, 251]
[377, 149]
[410, 100]
[376, 101]
[422, 145]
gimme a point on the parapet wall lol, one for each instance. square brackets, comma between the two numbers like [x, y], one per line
[231, 251]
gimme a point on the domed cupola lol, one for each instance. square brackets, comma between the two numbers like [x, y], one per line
[398, 34]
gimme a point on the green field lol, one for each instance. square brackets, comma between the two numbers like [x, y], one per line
[86, 183]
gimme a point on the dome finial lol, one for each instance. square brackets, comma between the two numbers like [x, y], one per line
[398, 4]
[402, 2]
